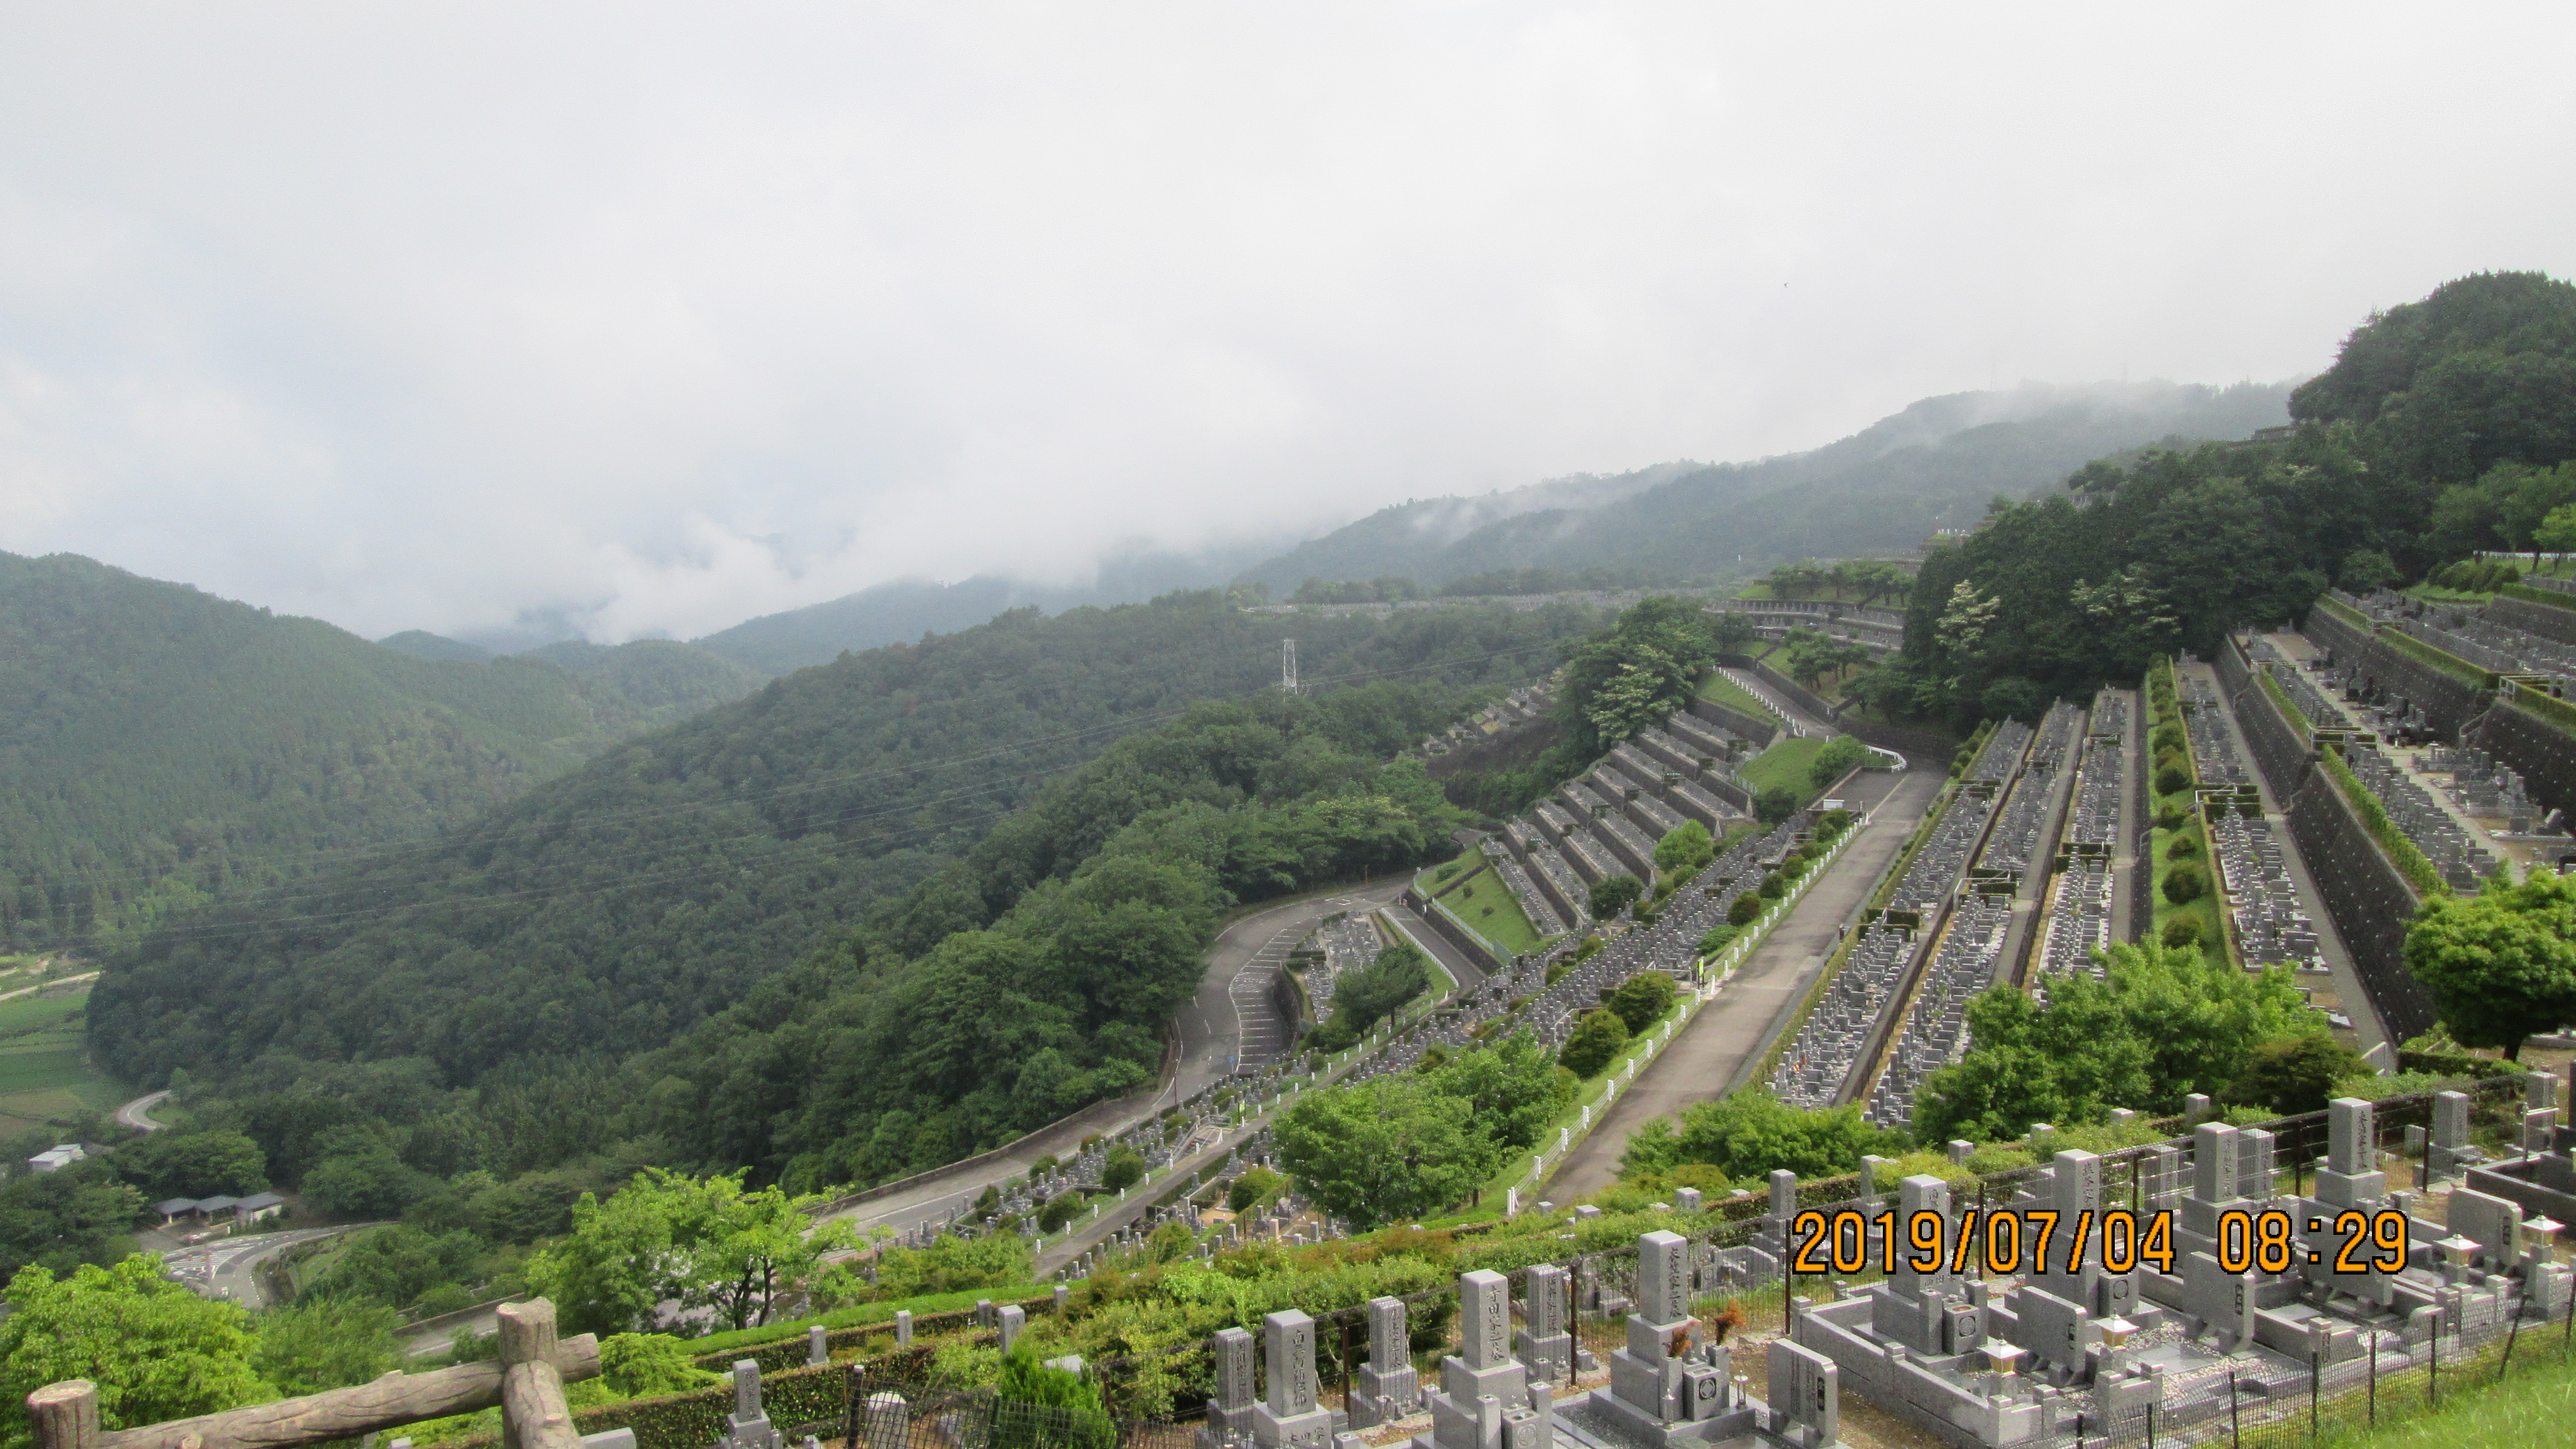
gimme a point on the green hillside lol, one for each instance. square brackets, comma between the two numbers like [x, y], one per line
[611, 910]
[1885, 489]
[159, 745]
[2441, 429]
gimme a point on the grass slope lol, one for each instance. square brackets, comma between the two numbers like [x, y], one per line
[1787, 763]
[1488, 906]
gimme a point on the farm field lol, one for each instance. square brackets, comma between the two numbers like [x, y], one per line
[44, 1074]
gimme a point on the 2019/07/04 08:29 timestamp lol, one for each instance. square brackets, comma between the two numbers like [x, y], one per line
[2036, 1240]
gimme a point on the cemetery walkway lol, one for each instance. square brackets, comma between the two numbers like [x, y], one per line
[1731, 1033]
[2352, 1000]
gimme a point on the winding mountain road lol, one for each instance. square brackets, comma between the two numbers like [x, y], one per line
[1231, 1024]
[137, 1114]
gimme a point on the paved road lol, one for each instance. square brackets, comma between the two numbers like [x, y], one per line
[1730, 1034]
[1232, 1004]
[137, 1114]
[1459, 963]
[226, 1268]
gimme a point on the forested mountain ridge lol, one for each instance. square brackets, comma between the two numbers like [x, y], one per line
[611, 910]
[2445, 426]
[903, 610]
[1937, 464]
[160, 746]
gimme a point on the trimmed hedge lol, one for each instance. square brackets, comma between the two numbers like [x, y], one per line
[2449, 663]
[2346, 613]
[2530, 595]
[2547, 707]
[2281, 697]
[2411, 862]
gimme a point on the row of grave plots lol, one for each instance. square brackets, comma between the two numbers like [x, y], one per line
[1934, 912]
[2375, 686]
[2483, 686]
[1609, 821]
[1670, 943]
[2248, 860]
[2077, 918]
[2198, 1344]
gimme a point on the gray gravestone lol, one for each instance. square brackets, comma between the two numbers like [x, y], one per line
[1805, 1390]
[1544, 1343]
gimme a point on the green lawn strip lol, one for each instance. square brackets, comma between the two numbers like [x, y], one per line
[2346, 613]
[1484, 901]
[1718, 689]
[2483, 1403]
[38, 1013]
[2557, 712]
[1786, 763]
[2281, 697]
[2435, 593]
[2213, 922]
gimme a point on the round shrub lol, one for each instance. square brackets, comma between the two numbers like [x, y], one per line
[1747, 909]
[2170, 737]
[2172, 780]
[1774, 886]
[1125, 1168]
[2185, 884]
[2182, 931]
[1643, 1000]
[1597, 1038]
[2184, 849]
[2170, 817]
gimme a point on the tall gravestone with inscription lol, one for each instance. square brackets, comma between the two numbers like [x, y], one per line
[1290, 1417]
[1388, 1386]
[1544, 1342]
[1229, 1410]
[1666, 1386]
[1482, 1378]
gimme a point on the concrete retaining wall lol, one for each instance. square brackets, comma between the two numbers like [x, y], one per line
[1761, 730]
[2447, 700]
[1490, 961]
[2543, 752]
[2369, 900]
[2546, 620]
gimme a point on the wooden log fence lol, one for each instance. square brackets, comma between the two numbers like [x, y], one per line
[527, 1382]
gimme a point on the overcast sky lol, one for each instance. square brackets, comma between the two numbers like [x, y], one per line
[421, 315]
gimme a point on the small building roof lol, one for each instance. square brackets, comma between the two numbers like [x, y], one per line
[259, 1200]
[217, 1204]
[175, 1206]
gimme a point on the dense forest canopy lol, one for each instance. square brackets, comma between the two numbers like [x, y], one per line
[160, 746]
[2436, 432]
[858, 818]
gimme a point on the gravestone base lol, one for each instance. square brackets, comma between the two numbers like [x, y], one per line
[1626, 1423]
[1312, 1429]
